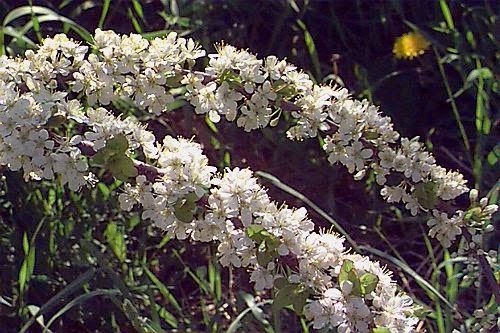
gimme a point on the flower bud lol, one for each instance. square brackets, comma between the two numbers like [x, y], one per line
[489, 228]
[483, 202]
[360, 175]
[473, 195]
[490, 209]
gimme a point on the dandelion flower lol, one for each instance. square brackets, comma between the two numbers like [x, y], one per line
[409, 45]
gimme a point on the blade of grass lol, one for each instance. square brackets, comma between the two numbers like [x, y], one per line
[454, 107]
[163, 289]
[33, 309]
[203, 285]
[446, 14]
[10, 31]
[214, 279]
[311, 49]
[77, 301]
[167, 316]
[23, 11]
[58, 18]
[36, 23]
[440, 320]
[66, 291]
[153, 307]
[42, 14]
[134, 21]
[103, 261]
[104, 12]
[235, 324]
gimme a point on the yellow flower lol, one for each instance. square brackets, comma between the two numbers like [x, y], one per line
[409, 45]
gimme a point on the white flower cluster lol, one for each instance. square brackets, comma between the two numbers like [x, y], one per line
[38, 97]
[134, 68]
[251, 91]
[29, 102]
[350, 313]
[256, 233]
[169, 202]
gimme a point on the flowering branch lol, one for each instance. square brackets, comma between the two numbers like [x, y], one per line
[62, 88]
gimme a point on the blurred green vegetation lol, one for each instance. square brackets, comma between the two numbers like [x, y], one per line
[87, 267]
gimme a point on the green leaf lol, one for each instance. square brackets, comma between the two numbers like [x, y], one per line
[191, 197]
[253, 230]
[30, 267]
[184, 210]
[381, 330]
[493, 155]
[371, 135]
[122, 167]
[230, 77]
[348, 273]
[133, 222]
[426, 194]
[116, 239]
[265, 255]
[26, 245]
[368, 282]
[299, 300]
[167, 316]
[346, 267]
[28, 263]
[104, 190]
[258, 234]
[283, 297]
[101, 157]
[280, 282]
[118, 143]
[290, 294]
[23, 275]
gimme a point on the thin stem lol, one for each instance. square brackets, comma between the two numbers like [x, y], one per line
[481, 118]
[454, 107]
[486, 268]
